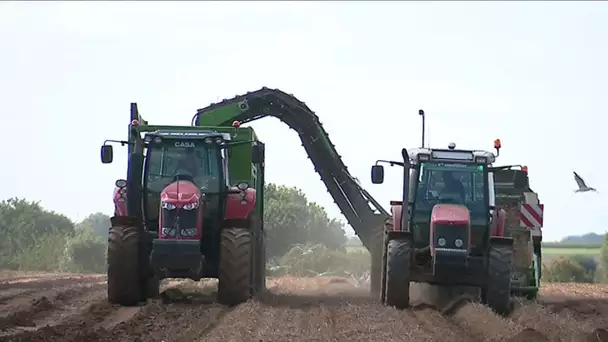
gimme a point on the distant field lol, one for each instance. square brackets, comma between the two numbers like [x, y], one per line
[550, 248]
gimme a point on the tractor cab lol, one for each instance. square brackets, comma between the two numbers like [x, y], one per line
[441, 180]
[183, 170]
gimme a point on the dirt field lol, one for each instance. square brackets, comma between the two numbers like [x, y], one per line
[68, 307]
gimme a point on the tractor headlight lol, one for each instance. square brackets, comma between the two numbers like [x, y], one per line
[168, 206]
[190, 206]
[168, 232]
[441, 242]
[458, 243]
[208, 140]
[219, 140]
[189, 232]
[243, 186]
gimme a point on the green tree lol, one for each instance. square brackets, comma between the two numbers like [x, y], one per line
[290, 219]
[84, 251]
[30, 236]
[98, 223]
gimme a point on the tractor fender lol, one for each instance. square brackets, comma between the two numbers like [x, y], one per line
[120, 208]
[498, 222]
[239, 209]
[396, 216]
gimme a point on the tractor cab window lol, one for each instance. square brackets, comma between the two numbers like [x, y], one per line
[182, 159]
[450, 183]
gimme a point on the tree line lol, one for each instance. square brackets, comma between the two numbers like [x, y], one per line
[301, 240]
[34, 238]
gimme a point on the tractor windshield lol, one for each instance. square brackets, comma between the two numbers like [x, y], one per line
[189, 159]
[451, 183]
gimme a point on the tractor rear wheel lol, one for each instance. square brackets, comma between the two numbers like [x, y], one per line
[235, 266]
[383, 279]
[497, 291]
[398, 258]
[124, 286]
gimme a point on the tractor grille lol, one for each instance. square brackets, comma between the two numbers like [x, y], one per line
[179, 218]
[450, 233]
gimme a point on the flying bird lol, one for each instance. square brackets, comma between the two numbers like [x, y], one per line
[582, 187]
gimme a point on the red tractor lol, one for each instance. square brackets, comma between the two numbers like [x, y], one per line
[446, 231]
[188, 209]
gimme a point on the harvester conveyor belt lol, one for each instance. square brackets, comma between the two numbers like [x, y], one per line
[362, 212]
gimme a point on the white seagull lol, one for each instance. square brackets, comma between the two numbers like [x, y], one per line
[582, 187]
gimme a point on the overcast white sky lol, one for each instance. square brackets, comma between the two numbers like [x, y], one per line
[531, 73]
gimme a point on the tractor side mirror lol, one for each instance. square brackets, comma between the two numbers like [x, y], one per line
[257, 154]
[377, 174]
[107, 154]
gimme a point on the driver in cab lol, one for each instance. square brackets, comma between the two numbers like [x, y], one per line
[192, 163]
[453, 186]
[187, 163]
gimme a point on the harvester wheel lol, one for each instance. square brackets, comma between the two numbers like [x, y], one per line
[497, 291]
[377, 261]
[124, 285]
[235, 267]
[398, 257]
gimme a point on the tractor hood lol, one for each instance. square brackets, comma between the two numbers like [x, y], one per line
[180, 193]
[450, 214]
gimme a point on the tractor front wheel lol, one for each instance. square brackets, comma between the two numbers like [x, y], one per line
[235, 266]
[398, 258]
[124, 285]
[497, 291]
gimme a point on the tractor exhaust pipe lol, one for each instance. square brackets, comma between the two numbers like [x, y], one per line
[421, 113]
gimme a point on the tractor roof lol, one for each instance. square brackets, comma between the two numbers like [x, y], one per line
[185, 134]
[451, 155]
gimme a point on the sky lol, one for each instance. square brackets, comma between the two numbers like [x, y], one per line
[533, 74]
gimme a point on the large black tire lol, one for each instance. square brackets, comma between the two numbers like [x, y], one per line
[376, 261]
[235, 266]
[124, 282]
[383, 279]
[398, 259]
[497, 291]
[388, 226]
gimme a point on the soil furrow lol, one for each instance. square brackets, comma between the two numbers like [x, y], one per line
[31, 283]
[434, 321]
[46, 307]
[483, 324]
[70, 307]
